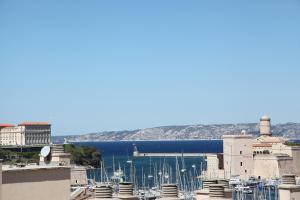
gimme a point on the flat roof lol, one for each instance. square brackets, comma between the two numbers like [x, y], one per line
[7, 125]
[31, 167]
[33, 123]
[237, 136]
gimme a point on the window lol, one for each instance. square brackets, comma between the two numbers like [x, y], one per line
[245, 171]
[241, 164]
[241, 152]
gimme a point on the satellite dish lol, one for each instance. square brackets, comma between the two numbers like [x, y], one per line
[45, 151]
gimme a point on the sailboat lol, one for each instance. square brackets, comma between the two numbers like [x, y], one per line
[128, 160]
[118, 175]
[150, 176]
[182, 164]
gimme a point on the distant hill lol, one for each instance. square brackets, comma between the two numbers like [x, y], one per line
[215, 131]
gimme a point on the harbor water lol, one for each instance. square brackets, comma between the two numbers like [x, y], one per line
[147, 169]
[149, 172]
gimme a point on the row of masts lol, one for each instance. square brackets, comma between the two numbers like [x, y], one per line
[152, 179]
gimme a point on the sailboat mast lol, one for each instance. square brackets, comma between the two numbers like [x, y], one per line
[114, 164]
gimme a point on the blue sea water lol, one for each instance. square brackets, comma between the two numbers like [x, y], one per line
[119, 148]
[122, 152]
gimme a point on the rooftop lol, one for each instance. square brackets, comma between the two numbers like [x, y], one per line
[262, 145]
[30, 167]
[33, 123]
[265, 118]
[270, 139]
[7, 125]
[238, 136]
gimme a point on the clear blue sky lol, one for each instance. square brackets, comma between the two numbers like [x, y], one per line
[91, 65]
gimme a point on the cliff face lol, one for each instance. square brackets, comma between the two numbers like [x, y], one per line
[289, 130]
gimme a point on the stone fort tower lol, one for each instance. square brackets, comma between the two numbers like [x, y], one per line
[265, 126]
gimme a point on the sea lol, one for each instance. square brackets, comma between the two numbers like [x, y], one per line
[120, 155]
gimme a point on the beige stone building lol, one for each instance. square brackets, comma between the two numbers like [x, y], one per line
[215, 166]
[272, 156]
[238, 156]
[27, 133]
[266, 156]
[266, 141]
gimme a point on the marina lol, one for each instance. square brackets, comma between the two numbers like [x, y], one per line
[150, 184]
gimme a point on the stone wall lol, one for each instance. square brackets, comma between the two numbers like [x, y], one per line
[36, 184]
[272, 166]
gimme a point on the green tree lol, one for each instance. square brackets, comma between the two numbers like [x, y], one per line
[83, 155]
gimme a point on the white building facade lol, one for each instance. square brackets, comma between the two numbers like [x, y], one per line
[11, 135]
[28, 133]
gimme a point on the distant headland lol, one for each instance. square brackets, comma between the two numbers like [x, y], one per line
[184, 132]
